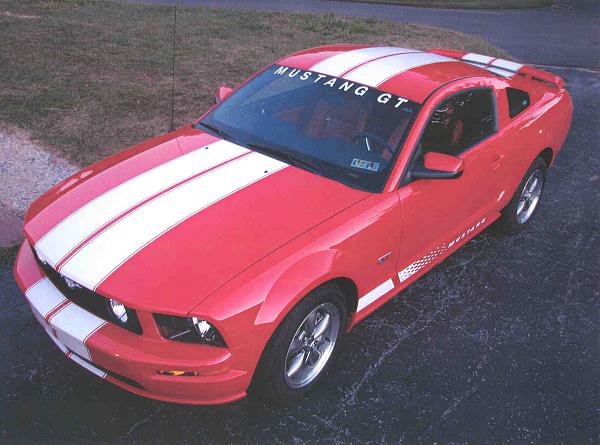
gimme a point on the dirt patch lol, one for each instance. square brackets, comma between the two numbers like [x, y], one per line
[18, 16]
[27, 169]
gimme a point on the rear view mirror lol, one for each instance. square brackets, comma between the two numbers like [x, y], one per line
[438, 166]
[223, 92]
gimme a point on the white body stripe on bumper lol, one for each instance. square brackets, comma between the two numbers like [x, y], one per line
[111, 248]
[76, 228]
[70, 328]
[73, 326]
[44, 297]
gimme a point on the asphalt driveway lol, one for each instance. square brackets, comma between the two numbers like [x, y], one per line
[500, 343]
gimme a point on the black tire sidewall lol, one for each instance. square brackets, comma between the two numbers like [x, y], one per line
[269, 379]
[508, 223]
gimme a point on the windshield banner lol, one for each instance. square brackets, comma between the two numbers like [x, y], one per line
[339, 84]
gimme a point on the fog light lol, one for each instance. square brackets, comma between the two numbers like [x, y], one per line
[119, 310]
[178, 373]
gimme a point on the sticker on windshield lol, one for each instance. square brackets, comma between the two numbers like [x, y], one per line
[365, 165]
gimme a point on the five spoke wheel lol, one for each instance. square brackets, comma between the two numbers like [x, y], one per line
[312, 345]
[530, 196]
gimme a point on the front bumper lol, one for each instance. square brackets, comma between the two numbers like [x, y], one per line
[129, 360]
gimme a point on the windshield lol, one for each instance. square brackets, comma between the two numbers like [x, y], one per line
[335, 128]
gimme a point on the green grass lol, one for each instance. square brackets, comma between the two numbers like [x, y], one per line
[466, 4]
[93, 77]
[8, 255]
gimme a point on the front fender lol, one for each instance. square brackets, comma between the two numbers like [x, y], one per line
[297, 281]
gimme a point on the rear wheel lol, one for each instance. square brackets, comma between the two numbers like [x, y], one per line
[524, 203]
[303, 347]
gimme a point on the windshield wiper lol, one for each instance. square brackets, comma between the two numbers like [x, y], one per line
[285, 156]
[222, 133]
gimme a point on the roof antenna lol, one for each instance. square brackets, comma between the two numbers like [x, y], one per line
[173, 71]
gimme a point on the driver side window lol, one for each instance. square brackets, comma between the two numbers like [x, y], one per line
[460, 122]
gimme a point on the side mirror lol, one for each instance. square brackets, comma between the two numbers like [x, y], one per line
[438, 166]
[223, 92]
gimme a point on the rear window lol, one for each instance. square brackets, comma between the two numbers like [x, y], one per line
[518, 100]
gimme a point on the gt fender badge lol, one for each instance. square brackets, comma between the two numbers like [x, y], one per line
[384, 258]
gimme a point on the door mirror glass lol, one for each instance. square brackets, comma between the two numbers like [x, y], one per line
[223, 92]
[438, 166]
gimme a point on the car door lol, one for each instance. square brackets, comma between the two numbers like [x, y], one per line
[440, 214]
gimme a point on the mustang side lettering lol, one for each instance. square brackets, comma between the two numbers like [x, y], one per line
[233, 254]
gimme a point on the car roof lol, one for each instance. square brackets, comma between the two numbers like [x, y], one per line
[409, 73]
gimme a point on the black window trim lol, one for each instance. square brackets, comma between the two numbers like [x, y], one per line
[404, 179]
[510, 115]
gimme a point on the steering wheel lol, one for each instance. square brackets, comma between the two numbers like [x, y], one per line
[381, 142]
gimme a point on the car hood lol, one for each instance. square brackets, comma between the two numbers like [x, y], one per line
[165, 224]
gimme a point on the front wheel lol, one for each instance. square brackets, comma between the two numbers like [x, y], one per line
[521, 208]
[303, 347]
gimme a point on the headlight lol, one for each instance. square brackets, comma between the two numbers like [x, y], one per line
[189, 330]
[119, 311]
[123, 316]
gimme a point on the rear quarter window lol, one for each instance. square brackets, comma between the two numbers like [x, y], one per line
[518, 100]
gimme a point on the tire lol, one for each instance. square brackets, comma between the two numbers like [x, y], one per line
[277, 377]
[516, 217]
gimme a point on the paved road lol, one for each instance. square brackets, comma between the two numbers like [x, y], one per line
[497, 344]
[566, 35]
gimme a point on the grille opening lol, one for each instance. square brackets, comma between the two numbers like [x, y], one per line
[89, 300]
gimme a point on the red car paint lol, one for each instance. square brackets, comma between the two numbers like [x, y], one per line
[243, 261]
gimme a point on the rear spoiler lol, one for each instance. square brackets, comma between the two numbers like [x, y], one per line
[503, 67]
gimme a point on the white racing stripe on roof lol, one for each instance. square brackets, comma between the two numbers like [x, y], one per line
[375, 73]
[78, 226]
[478, 58]
[507, 64]
[111, 248]
[340, 63]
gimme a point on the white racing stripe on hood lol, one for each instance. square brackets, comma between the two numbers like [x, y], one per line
[340, 63]
[378, 71]
[78, 226]
[111, 248]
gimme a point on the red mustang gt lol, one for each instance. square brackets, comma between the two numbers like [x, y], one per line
[234, 253]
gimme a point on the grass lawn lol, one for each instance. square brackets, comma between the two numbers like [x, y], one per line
[93, 77]
[467, 4]
[8, 255]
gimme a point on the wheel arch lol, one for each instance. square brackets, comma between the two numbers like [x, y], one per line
[350, 291]
[547, 154]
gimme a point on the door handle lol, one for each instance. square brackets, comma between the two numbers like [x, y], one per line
[495, 162]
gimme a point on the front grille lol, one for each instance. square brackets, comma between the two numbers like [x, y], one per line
[89, 300]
